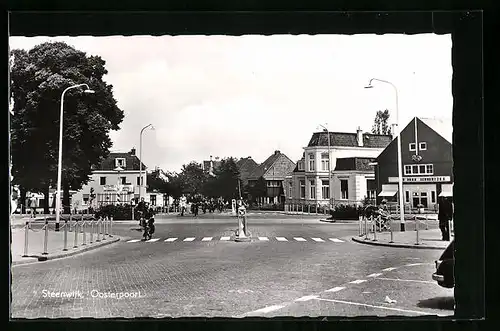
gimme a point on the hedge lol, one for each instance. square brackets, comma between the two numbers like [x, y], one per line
[120, 212]
[347, 212]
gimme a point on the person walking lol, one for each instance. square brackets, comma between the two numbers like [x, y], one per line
[445, 214]
[32, 204]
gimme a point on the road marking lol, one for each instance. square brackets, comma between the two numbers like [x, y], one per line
[299, 239]
[336, 289]
[408, 280]
[389, 269]
[357, 281]
[170, 239]
[318, 239]
[225, 238]
[152, 240]
[373, 275]
[263, 238]
[307, 298]
[267, 309]
[134, 240]
[189, 239]
[336, 240]
[206, 239]
[413, 264]
[281, 239]
[373, 306]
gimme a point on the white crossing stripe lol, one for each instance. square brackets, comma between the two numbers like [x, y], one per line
[281, 239]
[263, 238]
[336, 289]
[170, 239]
[268, 309]
[300, 239]
[152, 240]
[307, 298]
[389, 269]
[373, 275]
[134, 240]
[225, 238]
[336, 240]
[207, 239]
[189, 239]
[318, 239]
[358, 281]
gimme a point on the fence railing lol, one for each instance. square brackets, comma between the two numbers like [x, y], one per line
[100, 228]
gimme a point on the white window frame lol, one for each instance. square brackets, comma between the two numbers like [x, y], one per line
[414, 147]
[323, 187]
[346, 197]
[407, 196]
[325, 162]
[302, 186]
[290, 190]
[312, 189]
[117, 163]
[418, 173]
[301, 165]
[422, 144]
[312, 163]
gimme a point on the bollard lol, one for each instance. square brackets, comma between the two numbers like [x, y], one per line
[91, 231]
[360, 227]
[390, 229]
[98, 229]
[75, 245]
[426, 222]
[70, 219]
[301, 208]
[66, 235]
[374, 221]
[104, 227]
[84, 235]
[366, 228]
[46, 239]
[26, 238]
[111, 226]
[416, 229]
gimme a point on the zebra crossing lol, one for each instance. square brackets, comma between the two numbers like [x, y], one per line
[263, 239]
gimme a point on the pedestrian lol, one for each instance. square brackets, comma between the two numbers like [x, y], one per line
[141, 209]
[32, 204]
[445, 214]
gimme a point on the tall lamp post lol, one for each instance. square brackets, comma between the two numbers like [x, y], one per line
[330, 195]
[140, 157]
[400, 167]
[59, 163]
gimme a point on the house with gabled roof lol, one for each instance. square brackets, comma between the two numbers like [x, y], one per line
[246, 165]
[335, 169]
[427, 164]
[274, 170]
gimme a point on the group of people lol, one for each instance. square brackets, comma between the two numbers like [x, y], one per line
[210, 205]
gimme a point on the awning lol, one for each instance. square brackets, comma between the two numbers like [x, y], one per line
[388, 192]
[447, 193]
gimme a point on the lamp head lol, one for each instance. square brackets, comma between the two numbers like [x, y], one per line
[89, 91]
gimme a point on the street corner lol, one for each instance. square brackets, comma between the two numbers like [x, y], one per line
[396, 244]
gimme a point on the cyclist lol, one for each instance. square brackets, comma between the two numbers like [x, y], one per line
[141, 210]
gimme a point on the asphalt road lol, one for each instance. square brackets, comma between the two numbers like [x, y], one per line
[316, 270]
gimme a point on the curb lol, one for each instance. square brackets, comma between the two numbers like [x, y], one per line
[380, 243]
[41, 258]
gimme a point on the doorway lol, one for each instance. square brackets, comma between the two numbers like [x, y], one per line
[420, 198]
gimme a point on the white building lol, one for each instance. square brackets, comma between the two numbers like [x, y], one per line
[352, 176]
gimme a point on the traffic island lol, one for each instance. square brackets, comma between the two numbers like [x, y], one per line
[428, 239]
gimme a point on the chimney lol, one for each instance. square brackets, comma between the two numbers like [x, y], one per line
[359, 136]
[393, 130]
[276, 152]
[132, 151]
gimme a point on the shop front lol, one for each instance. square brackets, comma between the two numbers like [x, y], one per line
[422, 192]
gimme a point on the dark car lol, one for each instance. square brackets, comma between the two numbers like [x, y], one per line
[444, 274]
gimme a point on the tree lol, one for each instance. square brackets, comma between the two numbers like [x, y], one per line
[192, 178]
[227, 179]
[380, 125]
[38, 78]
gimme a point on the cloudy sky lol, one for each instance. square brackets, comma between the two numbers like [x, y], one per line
[251, 95]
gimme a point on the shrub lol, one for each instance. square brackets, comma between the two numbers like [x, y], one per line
[347, 212]
[119, 212]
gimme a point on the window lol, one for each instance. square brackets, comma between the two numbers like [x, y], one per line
[301, 165]
[290, 190]
[325, 189]
[311, 162]
[273, 183]
[152, 198]
[85, 199]
[312, 189]
[325, 162]
[371, 189]
[302, 189]
[120, 162]
[103, 180]
[344, 189]
[139, 181]
[433, 196]
[123, 180]
[413, 147]
[407, 196]
[422, 146]
[419, 169]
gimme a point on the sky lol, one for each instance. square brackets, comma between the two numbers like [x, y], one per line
[250, 95]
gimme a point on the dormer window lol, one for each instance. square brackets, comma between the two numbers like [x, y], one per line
[422, 146]
[301, 165]
[120, 162]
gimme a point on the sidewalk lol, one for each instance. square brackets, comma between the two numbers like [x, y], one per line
[55, 244]
[428, 239]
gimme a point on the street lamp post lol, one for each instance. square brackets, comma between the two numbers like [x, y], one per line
[330, 195]
[59, 163]
[400, 167]
[140, 157]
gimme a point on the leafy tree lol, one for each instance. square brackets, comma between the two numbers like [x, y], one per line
[38, 78]
[227, 179]
[192, 178]
[380, 125]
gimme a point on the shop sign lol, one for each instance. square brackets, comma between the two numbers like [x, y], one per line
[422, 179]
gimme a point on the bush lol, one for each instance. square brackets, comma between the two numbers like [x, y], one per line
[119, 212]
[347, 212]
